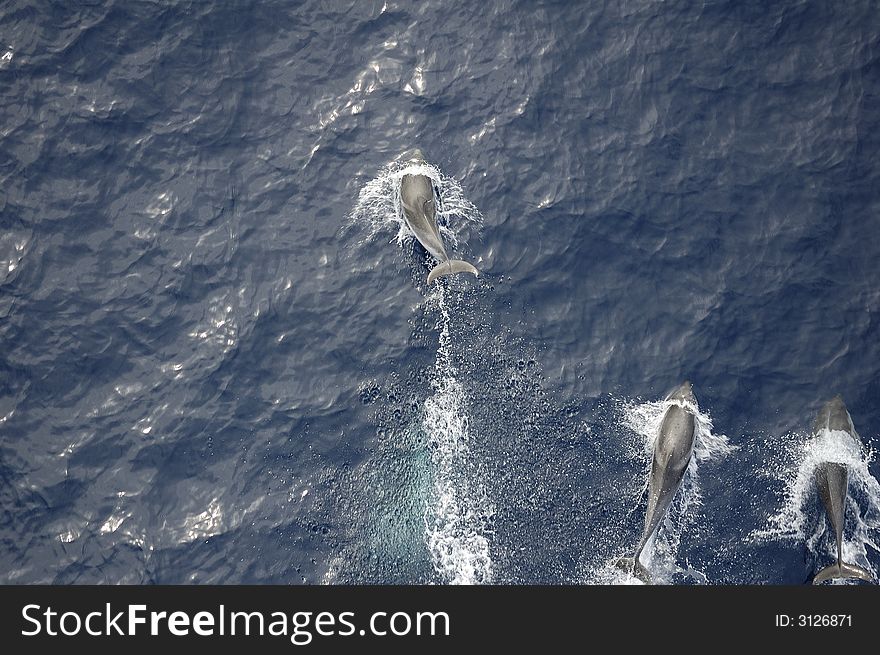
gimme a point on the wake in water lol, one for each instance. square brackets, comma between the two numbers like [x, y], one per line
[802, 517]
[459, 515]
[643, 420]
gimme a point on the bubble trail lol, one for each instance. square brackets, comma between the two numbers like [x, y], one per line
[459, 516]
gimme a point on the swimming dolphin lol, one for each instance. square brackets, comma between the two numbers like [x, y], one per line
[831, 478]
[420, 212]
[672, 454]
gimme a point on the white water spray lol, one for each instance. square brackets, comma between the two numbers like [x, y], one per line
[459, 515]
[378, 205]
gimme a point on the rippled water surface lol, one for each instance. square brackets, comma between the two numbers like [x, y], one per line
[221, 363]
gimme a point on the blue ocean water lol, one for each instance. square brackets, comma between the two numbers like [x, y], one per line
[221, 363]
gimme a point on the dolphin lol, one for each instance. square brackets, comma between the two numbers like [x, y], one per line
[831, 479]
[672, 455]
[420, 213]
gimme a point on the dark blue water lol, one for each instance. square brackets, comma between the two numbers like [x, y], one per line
[213, 369]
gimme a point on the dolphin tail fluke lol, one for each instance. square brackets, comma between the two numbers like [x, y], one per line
[847, 571]
[449, 267]
[634, 567]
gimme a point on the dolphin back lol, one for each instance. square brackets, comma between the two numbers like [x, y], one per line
[844, 571]
[449, 267]
[831, 479]
[420, 213]
[672, 455]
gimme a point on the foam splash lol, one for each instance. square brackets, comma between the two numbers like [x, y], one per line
[378, 207]
[660, 553]
[459, 514]
[645, 420]
[802, 516]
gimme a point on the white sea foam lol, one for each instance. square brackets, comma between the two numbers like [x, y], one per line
[458, 518]
[378, 206]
